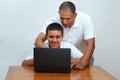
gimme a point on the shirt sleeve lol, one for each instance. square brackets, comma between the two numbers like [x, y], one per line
[89, 28]
[30, 56]
[54, 19]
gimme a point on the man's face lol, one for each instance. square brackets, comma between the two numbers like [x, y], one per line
[54, 38]
[67, 18]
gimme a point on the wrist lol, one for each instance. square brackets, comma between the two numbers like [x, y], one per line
[42, 46]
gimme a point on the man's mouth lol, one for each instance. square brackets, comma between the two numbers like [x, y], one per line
[66, 26]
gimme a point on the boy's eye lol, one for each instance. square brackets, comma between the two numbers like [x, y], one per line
[51, 36]
[57, 37]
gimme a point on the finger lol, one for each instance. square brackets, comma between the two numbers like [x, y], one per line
[80, 66]
[72, 66]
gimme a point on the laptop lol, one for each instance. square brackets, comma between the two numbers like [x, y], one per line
[52, 60]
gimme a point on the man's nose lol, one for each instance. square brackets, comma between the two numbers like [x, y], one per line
[64, 21]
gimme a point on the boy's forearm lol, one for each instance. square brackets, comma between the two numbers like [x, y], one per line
[29, 62]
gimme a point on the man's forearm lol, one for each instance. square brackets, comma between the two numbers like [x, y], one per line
[85, 60]
[89, 51]
[39, 42]
[75, 60]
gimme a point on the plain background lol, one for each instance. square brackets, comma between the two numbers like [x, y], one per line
[21, 22]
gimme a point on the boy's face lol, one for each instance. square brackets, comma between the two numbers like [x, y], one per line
[54, 38]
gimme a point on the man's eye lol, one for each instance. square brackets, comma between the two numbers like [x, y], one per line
[61, 18]
[68, 18]
[57, 37]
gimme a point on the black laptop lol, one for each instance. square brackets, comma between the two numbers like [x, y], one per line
[52, 60]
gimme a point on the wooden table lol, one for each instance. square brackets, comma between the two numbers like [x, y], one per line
[28, 73]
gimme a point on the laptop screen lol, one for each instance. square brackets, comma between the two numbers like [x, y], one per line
[52, 59]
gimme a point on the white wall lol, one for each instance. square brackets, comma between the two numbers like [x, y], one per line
[21, 21]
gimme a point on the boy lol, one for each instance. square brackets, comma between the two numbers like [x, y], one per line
[54, 35]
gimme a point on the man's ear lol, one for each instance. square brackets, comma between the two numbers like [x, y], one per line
[75, 14]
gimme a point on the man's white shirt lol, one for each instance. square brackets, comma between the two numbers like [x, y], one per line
[81, 30]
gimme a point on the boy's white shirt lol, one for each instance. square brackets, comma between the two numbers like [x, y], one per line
[75, 53]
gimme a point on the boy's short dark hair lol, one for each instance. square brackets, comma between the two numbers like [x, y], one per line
[54, 26]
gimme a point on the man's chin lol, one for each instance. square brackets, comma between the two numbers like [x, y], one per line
[66, 26]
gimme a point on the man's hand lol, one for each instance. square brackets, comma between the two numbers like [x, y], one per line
[82, 64]
[85, 59]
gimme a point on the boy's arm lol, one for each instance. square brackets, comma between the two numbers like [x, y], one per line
[29, 62]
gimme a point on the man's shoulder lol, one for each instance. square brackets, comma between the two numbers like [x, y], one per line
[82, 14]
[55, 17]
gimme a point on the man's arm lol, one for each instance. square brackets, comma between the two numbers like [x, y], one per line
[85, 60]
[29, 62]
[39, 42]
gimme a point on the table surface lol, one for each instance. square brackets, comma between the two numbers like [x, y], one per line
[28, 73]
